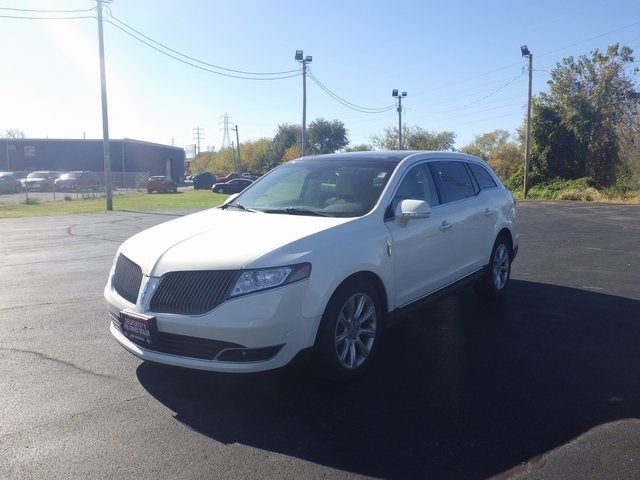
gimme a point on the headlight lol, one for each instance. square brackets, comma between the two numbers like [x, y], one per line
[263, 279]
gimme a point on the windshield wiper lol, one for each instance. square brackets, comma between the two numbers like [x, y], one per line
[237, 205]
[296, 211]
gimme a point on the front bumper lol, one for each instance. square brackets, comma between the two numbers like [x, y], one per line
[262, 320]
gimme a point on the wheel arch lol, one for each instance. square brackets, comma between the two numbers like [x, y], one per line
[373, 279]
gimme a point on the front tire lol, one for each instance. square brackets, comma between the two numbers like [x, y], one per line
[498, 273]
[350, 332]
[220, 190]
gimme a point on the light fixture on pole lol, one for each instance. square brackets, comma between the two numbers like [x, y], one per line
[304, 61]
[398, 95]
[527, 146]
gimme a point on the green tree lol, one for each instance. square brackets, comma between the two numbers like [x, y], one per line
[498, 149]
[414, 138]
[362, 147]
[286, 137]
[13, 133]
[574, 126]
[326, 136]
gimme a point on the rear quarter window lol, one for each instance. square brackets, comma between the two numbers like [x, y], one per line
[483, 177]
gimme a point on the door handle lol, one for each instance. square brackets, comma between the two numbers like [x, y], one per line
[445, 226]
[488, 211]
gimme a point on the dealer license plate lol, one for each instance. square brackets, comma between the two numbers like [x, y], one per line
[137, 327]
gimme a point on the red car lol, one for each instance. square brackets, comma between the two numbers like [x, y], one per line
[78, 181]
[227, 178]
[161, 183]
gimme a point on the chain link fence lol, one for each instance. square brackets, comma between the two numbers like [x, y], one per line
[56, 188]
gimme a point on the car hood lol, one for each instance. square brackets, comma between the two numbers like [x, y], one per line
[218, 239]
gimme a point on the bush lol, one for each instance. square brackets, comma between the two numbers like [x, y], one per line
[32, 201]
[67, 198]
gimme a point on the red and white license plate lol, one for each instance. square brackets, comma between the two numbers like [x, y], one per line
[136, 326]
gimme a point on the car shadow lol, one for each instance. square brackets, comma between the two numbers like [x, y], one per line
[462, 389]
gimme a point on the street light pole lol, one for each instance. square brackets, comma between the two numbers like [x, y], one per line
[304, 60]
[105, 117]
[527, 145]
[395, 93]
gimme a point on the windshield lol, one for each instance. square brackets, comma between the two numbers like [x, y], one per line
[38, 175]
[70, 176]
[334, 187]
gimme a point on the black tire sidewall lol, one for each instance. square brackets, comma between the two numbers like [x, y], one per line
[326, 359]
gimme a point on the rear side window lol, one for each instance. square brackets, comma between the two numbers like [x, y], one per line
[455, 180]
[483, 177]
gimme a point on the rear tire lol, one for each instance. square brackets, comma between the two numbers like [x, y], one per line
[221, 190]
[498, 272]
[349, 333]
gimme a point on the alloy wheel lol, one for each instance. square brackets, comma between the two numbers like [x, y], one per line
[501, 267]
[355, 331]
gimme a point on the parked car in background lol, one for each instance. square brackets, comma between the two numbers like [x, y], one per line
[227, 177]
[18, 174]
[9, 183]
[232, 186]
[78, 181]
[161, 183]
[203, 180]
[251, 176]
[322, 254]
[42, 181]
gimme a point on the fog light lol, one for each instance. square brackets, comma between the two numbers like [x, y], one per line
[245, 355]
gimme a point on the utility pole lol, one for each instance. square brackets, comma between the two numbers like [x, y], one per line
[235, 161]
[304, 61]
[124, 184]
[527, 143]
[395, 93]
[198, 134]
[238, 147]
[105, 115]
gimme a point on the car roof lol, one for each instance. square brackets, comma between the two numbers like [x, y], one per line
[391, 155]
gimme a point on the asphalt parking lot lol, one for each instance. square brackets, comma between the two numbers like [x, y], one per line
[544, 384]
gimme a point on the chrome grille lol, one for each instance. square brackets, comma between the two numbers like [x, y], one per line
[127, 278]
[192, 292]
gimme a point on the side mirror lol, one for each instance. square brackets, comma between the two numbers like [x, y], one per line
[411, 209]
[230, 198]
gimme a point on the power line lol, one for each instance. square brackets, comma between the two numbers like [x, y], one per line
[16, 17]
[484, 97]
[519, 63]
[346, 103]
[195, 59]
[589, 39]
[47, 11]
[199, 67]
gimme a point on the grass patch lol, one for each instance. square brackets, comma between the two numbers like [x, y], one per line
[198, 199]
[581, 190]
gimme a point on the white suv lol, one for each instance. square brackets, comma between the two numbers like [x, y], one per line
[322, 253]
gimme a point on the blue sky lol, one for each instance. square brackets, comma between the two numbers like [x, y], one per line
[448, 56]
